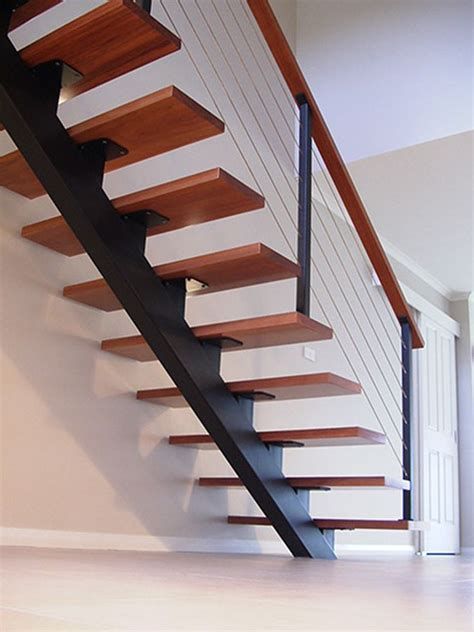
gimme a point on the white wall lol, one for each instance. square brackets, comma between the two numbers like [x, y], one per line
[388, 74]
[463, 311]
[285, 11]
[80, 453]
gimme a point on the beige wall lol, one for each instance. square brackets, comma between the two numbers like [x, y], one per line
[285, 11]
[79, 452]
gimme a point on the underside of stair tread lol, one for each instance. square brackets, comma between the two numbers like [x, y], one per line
[252, 333]
[317, 482]
[99, 45]
[149, 126]
[307, 437]
[276, 388]
[194, 199]
[30, 10]
[339, 523]
[225, 270]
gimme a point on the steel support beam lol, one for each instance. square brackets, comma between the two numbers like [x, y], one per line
[72, 183]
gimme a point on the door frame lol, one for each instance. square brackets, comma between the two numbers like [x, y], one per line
[453, 327]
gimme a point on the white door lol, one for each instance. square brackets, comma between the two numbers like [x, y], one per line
[438, 450]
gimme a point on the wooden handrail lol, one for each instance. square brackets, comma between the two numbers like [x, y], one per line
[298, 87]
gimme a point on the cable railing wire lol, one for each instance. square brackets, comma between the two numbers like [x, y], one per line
[319, 160]
[321, 165]
[291, 187]
[283, 202]
[315, 181]
[276, 219]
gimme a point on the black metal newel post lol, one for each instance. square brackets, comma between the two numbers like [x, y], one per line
[407, 348]
[304, 209]
[144, 4]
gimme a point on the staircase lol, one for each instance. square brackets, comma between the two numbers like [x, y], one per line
[69, 165]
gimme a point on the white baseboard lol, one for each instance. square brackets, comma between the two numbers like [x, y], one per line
[53, 539]
[377, 549]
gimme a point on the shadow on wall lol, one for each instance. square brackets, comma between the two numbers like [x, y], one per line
[58, 385]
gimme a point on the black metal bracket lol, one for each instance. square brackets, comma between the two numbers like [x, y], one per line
[303, 287]
[139, 223]
[225, 342]
[16, 4]
[154, 307]
[49, 76]
[286, 444]
[144, 4]
[7, 8]
[257, 396]
[97, 152]
[68, 76]
[146, 217]
[53, 76]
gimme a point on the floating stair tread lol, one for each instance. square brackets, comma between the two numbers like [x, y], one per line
[342, 524]
[195, 199]
[149, 126]
[228, 269]
[281, 388]
[317, 482]
[30, 10]
[307, 437]
[253, 333]
[99, 46]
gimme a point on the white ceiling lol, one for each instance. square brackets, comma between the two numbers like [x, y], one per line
[388, 74]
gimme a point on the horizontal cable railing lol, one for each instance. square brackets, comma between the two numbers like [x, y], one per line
[251, 76]
[298, 87]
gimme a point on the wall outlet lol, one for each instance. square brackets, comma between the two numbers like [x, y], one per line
[309, 353]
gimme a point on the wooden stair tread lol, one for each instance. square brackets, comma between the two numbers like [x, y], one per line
[282, 388]
[30, 10]
[308, 437]
[253, 333]
[228, 269]
[316, 482]
[195, 199]
[149, 126]
[98, 44]
[340, 523]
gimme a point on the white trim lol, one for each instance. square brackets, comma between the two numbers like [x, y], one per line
[52, 539]
[56, 539]
[413, 266]
[398, 255]
[428, 309]
[404, 549]
[460, 296]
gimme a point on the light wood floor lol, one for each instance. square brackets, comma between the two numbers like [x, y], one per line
[88, 590]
